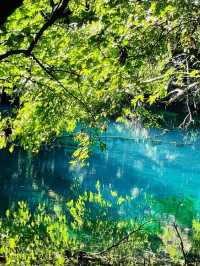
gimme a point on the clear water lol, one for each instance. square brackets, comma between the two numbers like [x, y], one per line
[137, 162]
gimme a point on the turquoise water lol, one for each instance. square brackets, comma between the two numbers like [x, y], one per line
[137, 162]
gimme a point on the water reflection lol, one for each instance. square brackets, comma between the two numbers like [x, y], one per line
[33, 178]
[138, 162]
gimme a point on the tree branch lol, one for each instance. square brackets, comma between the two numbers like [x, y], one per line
[57, 13]
[125, 238]
[152, 79]
[181, 242]
[182, 93]
[45, 69]
[13, 52]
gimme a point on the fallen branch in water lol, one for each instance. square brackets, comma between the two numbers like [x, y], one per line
[84, 257]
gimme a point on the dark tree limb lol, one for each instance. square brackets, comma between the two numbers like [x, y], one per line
[56, 14]
[13, 52]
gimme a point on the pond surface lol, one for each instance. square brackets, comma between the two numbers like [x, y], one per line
[137, 162]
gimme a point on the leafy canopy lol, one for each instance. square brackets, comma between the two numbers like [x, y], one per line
[82, 62]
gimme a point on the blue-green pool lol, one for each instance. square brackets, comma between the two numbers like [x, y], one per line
[137, 162]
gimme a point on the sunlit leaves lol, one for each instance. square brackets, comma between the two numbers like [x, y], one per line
[28, 238]
[93, 63]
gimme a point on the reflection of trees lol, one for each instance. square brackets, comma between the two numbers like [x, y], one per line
[40, 178]
[128, 167]
[49, 176]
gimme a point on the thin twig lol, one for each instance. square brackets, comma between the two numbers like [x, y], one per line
[125, 238]
[152, 79]
[53, 77]
[181, 242]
